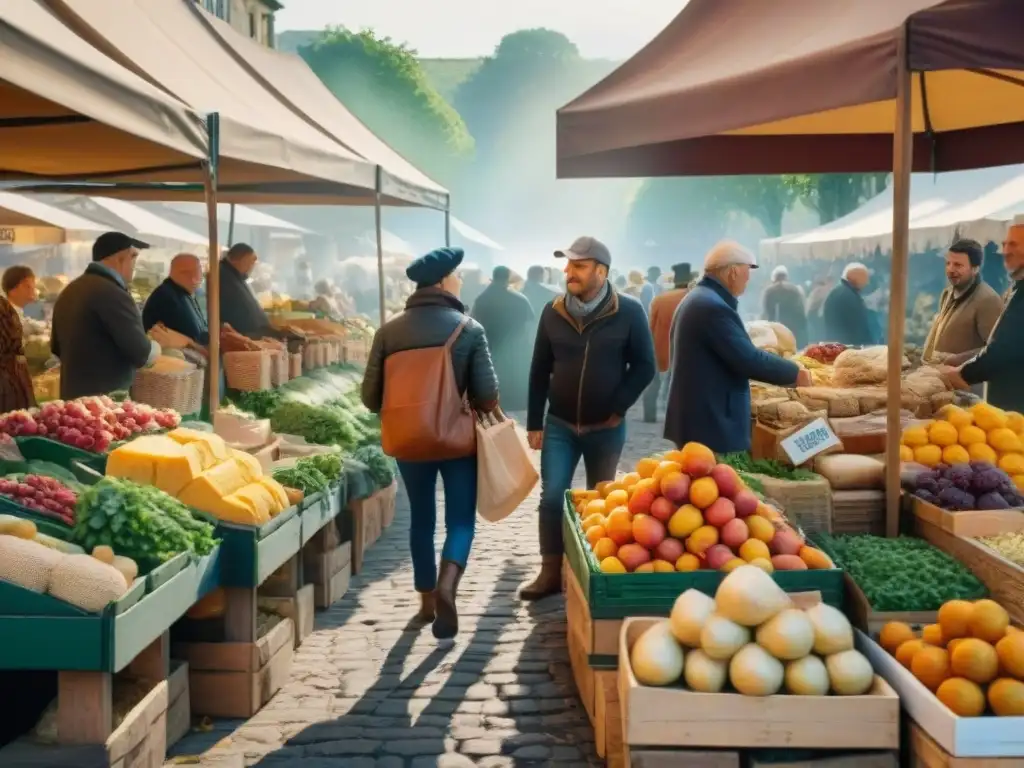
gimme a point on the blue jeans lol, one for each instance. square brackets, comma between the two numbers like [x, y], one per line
[459, 478]
[559, 457]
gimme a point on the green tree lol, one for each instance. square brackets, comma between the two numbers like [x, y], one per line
[833, 195]
[383, 84]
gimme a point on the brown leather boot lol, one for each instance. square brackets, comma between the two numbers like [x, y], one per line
[428, 607]
[548, 581]
[446, 624]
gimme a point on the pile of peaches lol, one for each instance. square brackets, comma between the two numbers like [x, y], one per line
[683, 511]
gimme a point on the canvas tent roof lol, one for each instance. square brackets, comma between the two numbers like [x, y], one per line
[148, 224]
[26, 211]
[295, 84]
[67, 111]
[715, 94]
[977, 204]
[244, 215]
[262, 141]
[473, 235]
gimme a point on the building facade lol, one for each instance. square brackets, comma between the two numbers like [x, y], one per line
[253, 18]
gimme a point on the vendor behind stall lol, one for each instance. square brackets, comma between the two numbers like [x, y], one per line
[174, 303]
[97, 328]
[239, 306]
[19, 287]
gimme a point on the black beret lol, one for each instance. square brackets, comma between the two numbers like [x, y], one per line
[433, 267]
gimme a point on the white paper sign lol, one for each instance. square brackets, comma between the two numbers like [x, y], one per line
[807, 442]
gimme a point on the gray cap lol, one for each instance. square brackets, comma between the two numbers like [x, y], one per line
[587, 248]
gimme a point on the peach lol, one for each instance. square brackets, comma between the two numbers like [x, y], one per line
[685, 521]
[640, 502]
[648, 531]
[663, 566]
[619, 526]
[617, 498]
[699, 541]
[644, 568]
[595, 507]
[687, 563]
[591, 520]
[718, 555]
[675, 487]
[605, 548]
[632, 556]
[760, 528]
[726, 479]
[630, 479]
[594, 534]
[720, 513]
[703, 492]
[698, 460]
[664, 469]
[662, 509]
[670, 549]
[734, 533]
[745, 502]
[755, 549]
[785, 542]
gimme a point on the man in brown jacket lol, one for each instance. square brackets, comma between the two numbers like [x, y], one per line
[663, 307]
[968, 308]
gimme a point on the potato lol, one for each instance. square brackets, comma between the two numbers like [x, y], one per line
[788, 563]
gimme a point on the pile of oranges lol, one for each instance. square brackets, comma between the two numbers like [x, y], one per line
[972, 659]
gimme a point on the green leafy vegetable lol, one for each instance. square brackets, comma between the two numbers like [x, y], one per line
[743, 462]
[901, 574]
[382, 467]
[324, 425]
[303, 476]
[328, 464]
[260, 403]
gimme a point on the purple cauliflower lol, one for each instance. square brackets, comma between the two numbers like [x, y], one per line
[926, 481]
[961, 476]
[1013, 498]
[992, 500]
[987, 479]
[956, 500]
[928, 496]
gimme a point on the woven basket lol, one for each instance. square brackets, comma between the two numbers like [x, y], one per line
[808, 503]
[181, 391]
[278, 368]
[248, 371]
[294, 365]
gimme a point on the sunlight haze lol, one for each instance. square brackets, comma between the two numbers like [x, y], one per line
[469, 28]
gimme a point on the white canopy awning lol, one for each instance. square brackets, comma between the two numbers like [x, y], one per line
[244, 216]
[147, 224]
[26, 211]
[474, 235]
[976, 204]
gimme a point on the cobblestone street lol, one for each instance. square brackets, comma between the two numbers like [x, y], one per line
[367, 689]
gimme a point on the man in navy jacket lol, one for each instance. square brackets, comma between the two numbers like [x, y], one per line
[714, 360]
[592, 360]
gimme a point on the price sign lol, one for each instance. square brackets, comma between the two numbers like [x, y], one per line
[807, 442]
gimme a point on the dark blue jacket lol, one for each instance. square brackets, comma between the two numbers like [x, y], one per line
[177, 309]
[846, 317]
[587, 372]
[1001, 362]
[713, 363]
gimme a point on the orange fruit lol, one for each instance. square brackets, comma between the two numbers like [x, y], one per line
[954, 618]
[591, 520]
[685, 521]
[1006, 697]
[605, 548]
[907, 650]
[975, 660]
[595, 507]
[647, 567]
[615, 486]
[952, 644]
[930, 665]
[617, 498]
[630, 479]
[703, 492]
[732, 565]
[1010, 651]
[602, 487]
[894, 634]
[760, 528]
[612, 565]
[753, 549]
[988, 621]
[702, 539]
[664, 566]
[673, 455]
[932, 635]
[665, 468]
[646, 483]
[688, 562]
[645, 467]
[619, 526]
[982, 452]
[962, 697]
[594, 534]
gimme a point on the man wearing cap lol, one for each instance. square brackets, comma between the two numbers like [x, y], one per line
[592, 360]
[784, 303]
[714, 360]
[663, 308]
[97, 328]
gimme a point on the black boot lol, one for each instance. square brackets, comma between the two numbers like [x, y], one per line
[427, 608]
[446, 624]
[548, 581]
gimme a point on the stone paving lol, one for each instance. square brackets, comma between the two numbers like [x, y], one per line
[369, 690]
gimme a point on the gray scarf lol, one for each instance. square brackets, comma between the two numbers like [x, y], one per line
[579, 309]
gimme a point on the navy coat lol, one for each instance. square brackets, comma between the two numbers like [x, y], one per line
[713, 363]
[846, 317]
[177, 309]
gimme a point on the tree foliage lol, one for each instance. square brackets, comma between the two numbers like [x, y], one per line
[383, 84]
[834, 195]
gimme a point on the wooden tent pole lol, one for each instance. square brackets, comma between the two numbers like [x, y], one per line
[902, 164]
[213, 274]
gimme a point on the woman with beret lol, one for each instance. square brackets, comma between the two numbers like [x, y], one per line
[432, 314]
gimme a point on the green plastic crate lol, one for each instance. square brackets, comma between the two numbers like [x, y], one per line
[617, 596]
[321, 508]
[249, 554]
[45, 449]
[41, 632]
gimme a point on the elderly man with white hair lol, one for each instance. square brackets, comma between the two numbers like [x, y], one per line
[713, 359]
[784, 303]
[845, 314]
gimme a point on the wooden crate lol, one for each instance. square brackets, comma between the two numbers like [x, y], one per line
[600, 637]
[366, 527]
[237, 679]
[868, 620]
[1004, 579]
[858, 512]
[676, 717]
[389, 499]
[925, 753]
[329, 573]
[300, 609]
[722, 758]
[971, 524]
